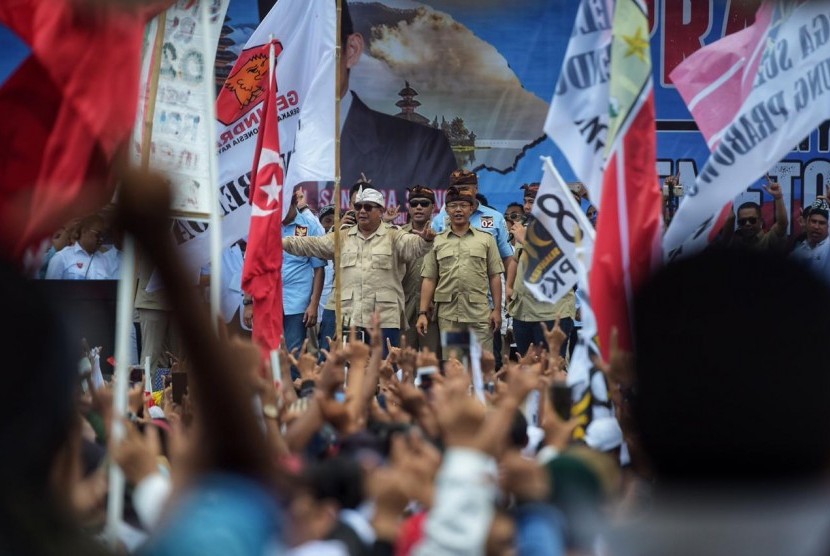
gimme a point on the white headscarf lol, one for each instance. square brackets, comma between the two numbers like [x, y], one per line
[369, 195]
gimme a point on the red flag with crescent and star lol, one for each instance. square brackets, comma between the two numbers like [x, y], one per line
[262, 273]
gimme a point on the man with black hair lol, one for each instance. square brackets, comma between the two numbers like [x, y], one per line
[733, 425]
[393, 151]
[750, 231]
[814, 251]
[514, 212]
[83, 260]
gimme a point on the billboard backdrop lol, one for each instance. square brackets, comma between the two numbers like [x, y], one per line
[484, 72]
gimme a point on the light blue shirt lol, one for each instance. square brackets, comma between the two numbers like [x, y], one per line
[484, 219]
[297, 272]
[815, 258]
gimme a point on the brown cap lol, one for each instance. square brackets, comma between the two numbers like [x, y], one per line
[464, 178]
[454, 194]
[421, 192]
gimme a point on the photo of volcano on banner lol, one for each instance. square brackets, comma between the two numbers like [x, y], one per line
[421, 64]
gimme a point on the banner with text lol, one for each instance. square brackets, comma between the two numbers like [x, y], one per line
[179, 140]
[790, 92]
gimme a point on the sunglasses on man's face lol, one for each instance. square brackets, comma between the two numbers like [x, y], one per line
[364, 206]
[515, 216]
[751, 221]
[423, 203]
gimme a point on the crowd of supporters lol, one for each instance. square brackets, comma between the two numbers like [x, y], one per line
[365, 440]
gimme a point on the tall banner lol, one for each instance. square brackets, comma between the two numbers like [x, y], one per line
[558, 227]
[754, 95]
[630, 223]
[304, 34]
[578, 116]
[180, 139]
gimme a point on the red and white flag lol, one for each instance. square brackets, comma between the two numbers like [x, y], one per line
[262, 273]
[754, 94]
[627, 247]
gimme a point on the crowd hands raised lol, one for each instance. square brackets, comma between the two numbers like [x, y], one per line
[363, 461]
[377, 449]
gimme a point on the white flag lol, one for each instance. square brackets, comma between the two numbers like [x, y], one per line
[305, 75]
[551, 238]
[578, 118]
[783, 75]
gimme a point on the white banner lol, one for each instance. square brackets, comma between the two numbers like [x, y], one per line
[305, 32]
[579, 112]
[180, 140]
[551, 238]
[789, 98]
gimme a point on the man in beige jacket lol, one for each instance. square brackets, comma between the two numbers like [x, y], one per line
[373, 259]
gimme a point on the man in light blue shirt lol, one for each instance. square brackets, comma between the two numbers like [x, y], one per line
[483, 218]
[814, 252]
[302, 278]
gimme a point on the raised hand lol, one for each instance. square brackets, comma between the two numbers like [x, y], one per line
[773, 188]
[519, 232]
[391, 213]
[427, 234]
[555, 336]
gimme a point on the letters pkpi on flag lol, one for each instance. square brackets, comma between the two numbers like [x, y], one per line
[783, 75]
[552, 236]
[578, 117]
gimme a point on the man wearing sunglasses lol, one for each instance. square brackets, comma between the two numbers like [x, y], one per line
[373, 258]
[749, 232]
[421, 207]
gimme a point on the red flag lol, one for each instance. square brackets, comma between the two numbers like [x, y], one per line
[66, 112]
[630, 223]
[262, 274]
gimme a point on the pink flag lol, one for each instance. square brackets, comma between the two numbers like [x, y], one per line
[717, 79]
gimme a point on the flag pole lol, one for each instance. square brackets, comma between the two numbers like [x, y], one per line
[338, 304]
[124, 308]
[215, 227]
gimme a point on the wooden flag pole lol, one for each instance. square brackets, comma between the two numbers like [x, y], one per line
[338, 304]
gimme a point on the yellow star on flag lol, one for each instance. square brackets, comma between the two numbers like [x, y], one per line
[637, 44]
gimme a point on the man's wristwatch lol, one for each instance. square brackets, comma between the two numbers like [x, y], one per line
[248, 301]
[422, 313]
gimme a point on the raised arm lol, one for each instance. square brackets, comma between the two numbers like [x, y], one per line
[781, 218]
[417, 243]
[321, 247]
